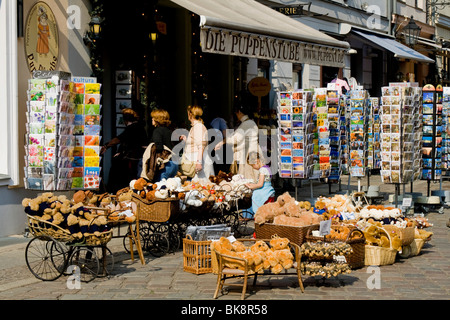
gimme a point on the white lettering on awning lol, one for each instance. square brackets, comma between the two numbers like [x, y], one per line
[265, 47]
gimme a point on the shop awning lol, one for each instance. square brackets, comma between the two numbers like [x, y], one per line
[251, 29]
[399, 50]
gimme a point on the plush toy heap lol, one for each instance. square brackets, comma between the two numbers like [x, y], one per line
[378, 212]
[219, 190]
[259, 256]
[377, 236]
[72, 215]
[287, 211]
[338, 207]
[323, 258]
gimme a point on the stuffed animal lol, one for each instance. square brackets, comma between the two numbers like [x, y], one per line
[280, 246]
[267, 212]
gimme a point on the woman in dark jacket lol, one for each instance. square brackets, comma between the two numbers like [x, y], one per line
[132, 143]
[162, 137]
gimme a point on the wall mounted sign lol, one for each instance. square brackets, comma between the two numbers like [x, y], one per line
[41, 38]
[265, 47]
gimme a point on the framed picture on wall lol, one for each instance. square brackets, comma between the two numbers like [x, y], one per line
[124, 76]
[123, 91]
[123, 104]
[119, 121]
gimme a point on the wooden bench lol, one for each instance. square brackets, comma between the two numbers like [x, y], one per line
[224, 272]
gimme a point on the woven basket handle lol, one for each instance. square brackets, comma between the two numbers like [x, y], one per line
[353, 231]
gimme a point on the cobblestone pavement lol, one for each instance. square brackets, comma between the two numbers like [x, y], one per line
[423, 277]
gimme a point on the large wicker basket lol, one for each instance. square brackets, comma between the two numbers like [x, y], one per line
[197, 256]
[416, 246]
[406, 234]
[357, 257]
[44, 229]
[295, 235]
[158, 210]
[379, 256]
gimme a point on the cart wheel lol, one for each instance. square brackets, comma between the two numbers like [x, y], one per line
[126, 240]
[45, 258]
[170, 232]
[406, 252]
[106, 259]
[85, 263]
[157, 244]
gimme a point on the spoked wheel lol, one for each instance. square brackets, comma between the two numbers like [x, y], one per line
[45, 258]
[170, 232]
[157, 244]
[84, 263]
[106, 259]
[126, 239]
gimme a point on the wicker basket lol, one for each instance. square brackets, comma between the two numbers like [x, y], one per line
[45, 229]
[197, 257]
[379, 256]
[416, 246]
[406, 234]
[357, 257]
[40, 228]
[295, 235]
[158, 210]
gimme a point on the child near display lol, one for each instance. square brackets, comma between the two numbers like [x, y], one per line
[263, 191]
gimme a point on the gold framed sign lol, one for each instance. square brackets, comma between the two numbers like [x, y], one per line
[41, 38]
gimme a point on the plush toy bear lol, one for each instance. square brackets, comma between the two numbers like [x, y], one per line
[280, 247]
[267, 212]
[290, 206]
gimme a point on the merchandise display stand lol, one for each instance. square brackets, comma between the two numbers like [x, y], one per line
[400, 128]
[295, 134]
[432, 134]
[49, 138]
[63, 133]
[445, 134]
[87, 131]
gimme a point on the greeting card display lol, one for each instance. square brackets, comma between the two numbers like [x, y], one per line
[344, 104]
[87, 130]
[357, 138]
[373, 134]
[446, 132]
[400, 133]
[321, 157]
[50, 116]
[295, 134]
[334, 125]
[432, 140]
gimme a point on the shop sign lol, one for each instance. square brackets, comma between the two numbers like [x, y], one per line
[266, 47]
[41, 38]
[259, 86]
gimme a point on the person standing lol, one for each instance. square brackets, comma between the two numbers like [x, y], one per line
[219, 156]
[132, 143]
[244, 140]
[158, 166]
[196, 144]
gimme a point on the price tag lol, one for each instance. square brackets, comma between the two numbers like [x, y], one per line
[407, 202]
[325, 227]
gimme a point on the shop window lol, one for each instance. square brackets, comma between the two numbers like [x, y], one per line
[329, 74]
[297, 76]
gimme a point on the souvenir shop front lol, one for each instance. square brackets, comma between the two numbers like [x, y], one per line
[171, 54]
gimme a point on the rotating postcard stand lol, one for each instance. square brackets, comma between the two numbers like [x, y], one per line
[63, 133]
[327, 136]
[357, 135]
[445, 134]
[295, 135]
[400, 131]
[432, 134]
